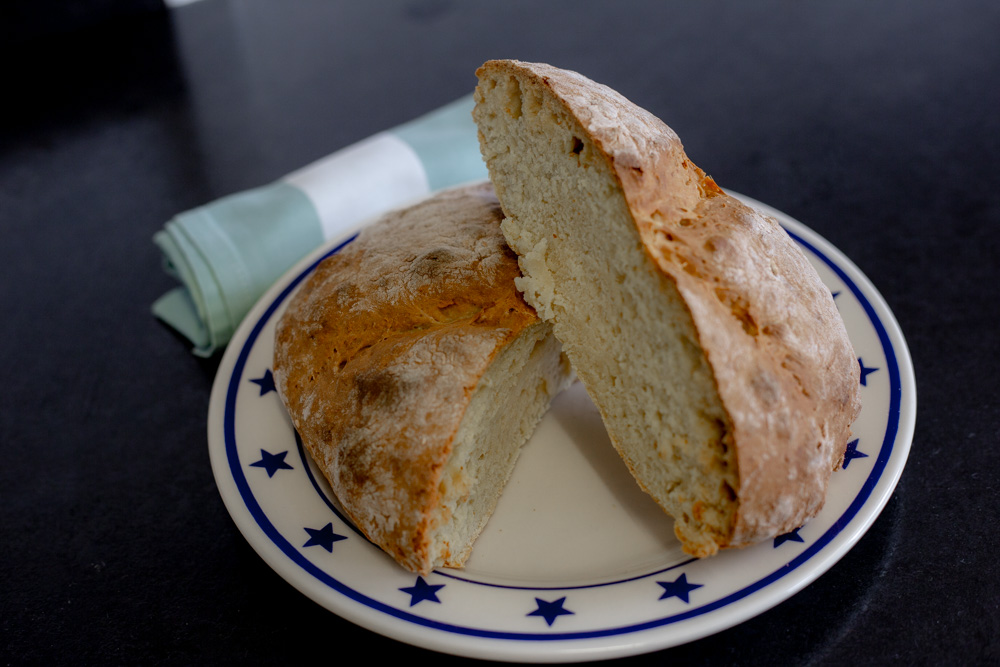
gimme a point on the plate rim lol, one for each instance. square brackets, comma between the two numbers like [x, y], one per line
[745, 603]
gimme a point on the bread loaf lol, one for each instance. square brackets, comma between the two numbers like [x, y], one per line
[414, 372]
[716, 356]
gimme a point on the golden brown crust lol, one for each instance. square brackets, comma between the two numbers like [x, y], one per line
[378, 352]
[784, 367]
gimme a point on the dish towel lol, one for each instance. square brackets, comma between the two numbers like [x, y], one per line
[227, 253]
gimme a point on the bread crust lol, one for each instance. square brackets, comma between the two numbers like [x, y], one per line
[782, 362]
[379, 351]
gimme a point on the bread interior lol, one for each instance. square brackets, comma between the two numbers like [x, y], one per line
[505, 407]
[621, 321]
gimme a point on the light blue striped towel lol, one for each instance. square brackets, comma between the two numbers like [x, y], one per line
[227, 253]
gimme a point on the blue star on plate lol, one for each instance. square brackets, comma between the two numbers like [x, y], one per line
[679, 588]
[272, 463]
[421, 591]
[550, 610]
[852, 453]
[265, 383]
[793, 536]
[323, 537]
[865, 371]
[835, 294]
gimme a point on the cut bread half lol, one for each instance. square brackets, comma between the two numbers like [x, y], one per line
[715, 354]
[414, 372]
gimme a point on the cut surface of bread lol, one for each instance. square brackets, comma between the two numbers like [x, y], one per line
[414, 372]
[716, 356]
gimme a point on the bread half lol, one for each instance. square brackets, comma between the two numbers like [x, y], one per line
[414, 372]
[715, 354]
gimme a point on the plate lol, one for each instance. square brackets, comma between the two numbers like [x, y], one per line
[576, 563]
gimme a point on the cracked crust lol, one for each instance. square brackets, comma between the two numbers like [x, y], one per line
[380, 352]
[784, 377]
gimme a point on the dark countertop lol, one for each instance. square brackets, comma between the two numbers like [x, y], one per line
[876, 124]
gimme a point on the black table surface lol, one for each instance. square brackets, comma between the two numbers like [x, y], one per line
[875, 124]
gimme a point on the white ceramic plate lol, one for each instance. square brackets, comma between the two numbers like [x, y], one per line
[576, 563]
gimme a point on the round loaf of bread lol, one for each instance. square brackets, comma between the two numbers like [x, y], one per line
[414, 372]
[717, 357]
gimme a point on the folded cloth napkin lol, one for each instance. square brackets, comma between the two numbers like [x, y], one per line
[227, 253]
